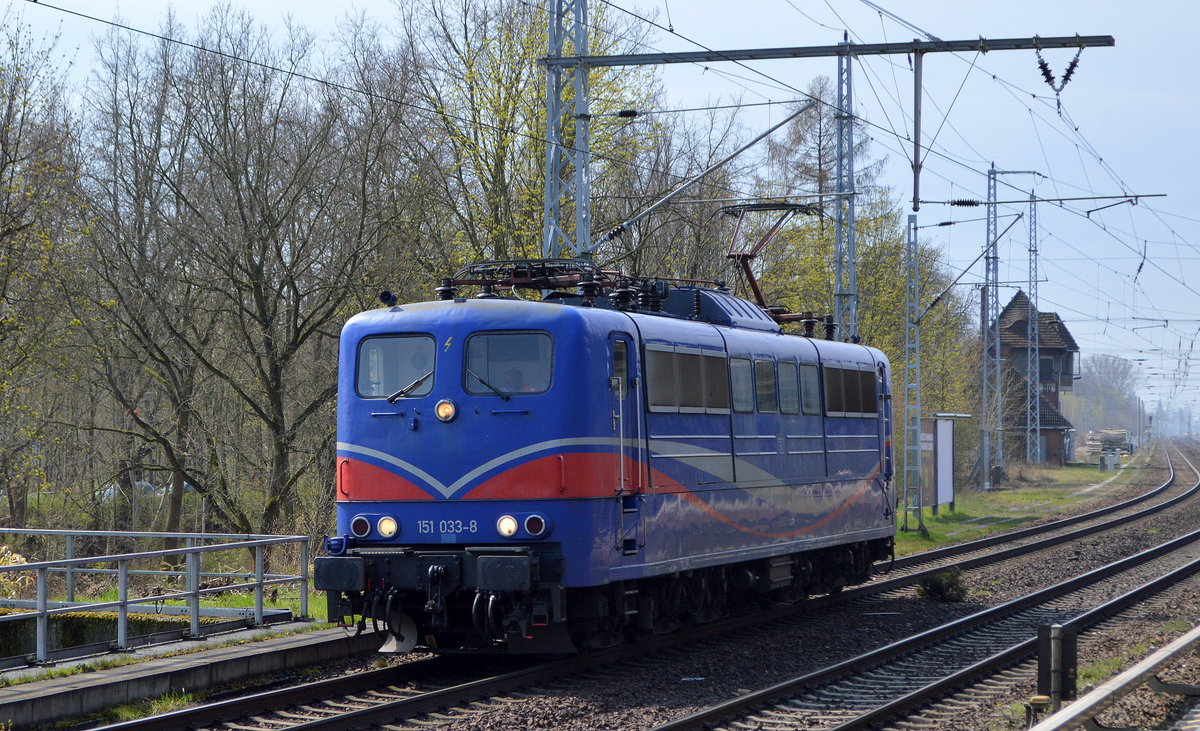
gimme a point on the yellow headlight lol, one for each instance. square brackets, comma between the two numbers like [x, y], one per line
[507, 526]
[387, 526]
[445, 410]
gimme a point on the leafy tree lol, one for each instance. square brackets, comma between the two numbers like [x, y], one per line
[37, 191]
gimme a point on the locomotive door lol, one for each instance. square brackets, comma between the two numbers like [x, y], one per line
[626, 421]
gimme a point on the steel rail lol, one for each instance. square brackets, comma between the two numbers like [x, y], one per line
[746, 703]
[1025, 649]
[473, 690]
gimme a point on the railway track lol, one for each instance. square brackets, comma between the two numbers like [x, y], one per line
[874, 687]
[428, 686]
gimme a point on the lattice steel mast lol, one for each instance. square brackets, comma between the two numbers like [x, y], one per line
[912, 380]
[568, 153]
[845, 267]
[990, 419]
[1033, 386]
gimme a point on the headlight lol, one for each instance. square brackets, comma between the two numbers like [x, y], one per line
[387, 526]
[445, 410]
[360, 526]
[507, 526]
[535, 525]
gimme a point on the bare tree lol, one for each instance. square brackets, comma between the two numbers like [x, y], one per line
[241, 215]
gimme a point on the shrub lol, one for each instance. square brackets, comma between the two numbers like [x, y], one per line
[944, 586]
[12, 582]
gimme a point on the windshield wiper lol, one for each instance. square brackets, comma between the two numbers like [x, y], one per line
[494, 390]
[404, 391]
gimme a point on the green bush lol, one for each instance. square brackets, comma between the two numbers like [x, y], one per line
[944, 586]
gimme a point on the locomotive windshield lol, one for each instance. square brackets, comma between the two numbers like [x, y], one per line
[395, 365]
[511, 362]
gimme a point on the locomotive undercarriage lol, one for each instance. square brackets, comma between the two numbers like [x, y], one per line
[511, 601]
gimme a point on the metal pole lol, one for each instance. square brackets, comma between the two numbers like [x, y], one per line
[1033, 397]
[70, 569]
[192, 580]
[43, 619]
[913, 499]
[985, 432]
[258, 585]
[916, 163]
[123, 606]
[304, 578]
[996, 386]
[567, 173]
[845, 296]
[1056, 667]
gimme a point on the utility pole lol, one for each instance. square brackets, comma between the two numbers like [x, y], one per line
[568, 149]
[991, 422]
[913, 501]
[845, 262]
[1033, 382]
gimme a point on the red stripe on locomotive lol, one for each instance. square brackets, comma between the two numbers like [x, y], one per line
[361, 481]
[570, 475]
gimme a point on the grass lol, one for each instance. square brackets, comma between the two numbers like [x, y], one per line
[153, 706]
[68, 671]
[1030, 494]
[1102, 670]
[1011, 716]
[1177, 626]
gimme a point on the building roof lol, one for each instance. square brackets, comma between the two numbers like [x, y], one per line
[1014, 329]
[1051, 419]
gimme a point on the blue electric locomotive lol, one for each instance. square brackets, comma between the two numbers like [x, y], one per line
[620, 458]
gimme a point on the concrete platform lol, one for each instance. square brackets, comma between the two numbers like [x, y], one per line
[38, 703]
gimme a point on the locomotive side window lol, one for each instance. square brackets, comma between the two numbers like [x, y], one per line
[660, 378]
[689, 372]
[850, 392]
[789, 389]
[867, 381]
[716, 383]
[835, 401]
[686, 381]
[742, 378]
[395, 363]
[765, 393]
[810, 390]
[513, 363]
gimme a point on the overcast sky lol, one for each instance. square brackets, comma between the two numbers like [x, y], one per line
[1128, 125]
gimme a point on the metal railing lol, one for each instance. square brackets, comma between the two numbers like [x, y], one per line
[192, 553]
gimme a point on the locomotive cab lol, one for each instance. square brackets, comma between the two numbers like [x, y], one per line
[467, 448]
